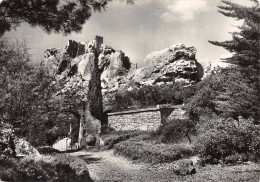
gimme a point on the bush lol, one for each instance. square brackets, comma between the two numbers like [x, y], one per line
[51, 169]
[148, 96]
[176, 130]
[47, 150]
[117, 137]
[147, 152]
[230, 141]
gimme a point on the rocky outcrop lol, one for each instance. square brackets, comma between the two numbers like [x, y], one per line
[176, 63]
[81, 68]
[173, 64]
[115, 66]
[77, 73]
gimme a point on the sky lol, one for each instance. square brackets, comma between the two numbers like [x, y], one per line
[146, 26]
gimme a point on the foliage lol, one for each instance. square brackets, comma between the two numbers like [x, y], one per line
[225, 93]
[146, 96]
[47, 150]
[176, 130]
[230, 140]
[95, 94]
[245, 47]
[27, 97]
[115, 137]
[52, 16]
[245, 43]
[45, 169]
[146, 152]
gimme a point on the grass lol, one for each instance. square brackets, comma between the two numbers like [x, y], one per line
[119, 136]
[153, 153]
[214, 173]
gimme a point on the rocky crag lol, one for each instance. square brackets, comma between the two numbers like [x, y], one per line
[81, 68]
[176, 63]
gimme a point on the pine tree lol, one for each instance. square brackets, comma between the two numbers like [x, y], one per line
[245, 44]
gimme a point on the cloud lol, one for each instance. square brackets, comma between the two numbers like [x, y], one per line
[183, 9]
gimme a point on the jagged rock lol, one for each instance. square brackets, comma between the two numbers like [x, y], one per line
[174, 64]
[115, 66]
[171, 54]
[78, 67]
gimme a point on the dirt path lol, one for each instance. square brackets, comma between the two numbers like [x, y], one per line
[105, 166]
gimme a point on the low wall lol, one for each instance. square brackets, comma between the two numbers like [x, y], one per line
[149, 119]
[141, 119]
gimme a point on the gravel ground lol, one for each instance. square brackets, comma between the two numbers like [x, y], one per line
[105, 166]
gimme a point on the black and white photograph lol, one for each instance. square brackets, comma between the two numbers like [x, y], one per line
[129, 90]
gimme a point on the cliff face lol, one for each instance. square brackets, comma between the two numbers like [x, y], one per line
[77, 72]
[80, 69]
[115, 66]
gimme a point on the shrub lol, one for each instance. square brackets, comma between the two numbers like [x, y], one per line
[176, 130]
[107, 129]
[117, 137]
[51, 169]
[148, 96]
[229, 141]
[147, 152]
[47, 150]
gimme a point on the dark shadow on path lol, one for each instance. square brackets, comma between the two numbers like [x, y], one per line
[88, 159]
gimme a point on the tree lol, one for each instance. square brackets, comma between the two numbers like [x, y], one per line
[245, 46]
[225, 93]
[246, 43]
[51, 15]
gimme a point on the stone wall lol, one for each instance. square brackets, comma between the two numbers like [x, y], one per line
[149, 119]
[142, 119]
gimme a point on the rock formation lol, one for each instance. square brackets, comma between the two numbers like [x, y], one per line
[80, 69]
[176, 63]
[173, 64]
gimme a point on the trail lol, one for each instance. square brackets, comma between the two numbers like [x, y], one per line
[106, 166]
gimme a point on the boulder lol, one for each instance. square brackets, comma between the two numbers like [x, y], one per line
[183, 167]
